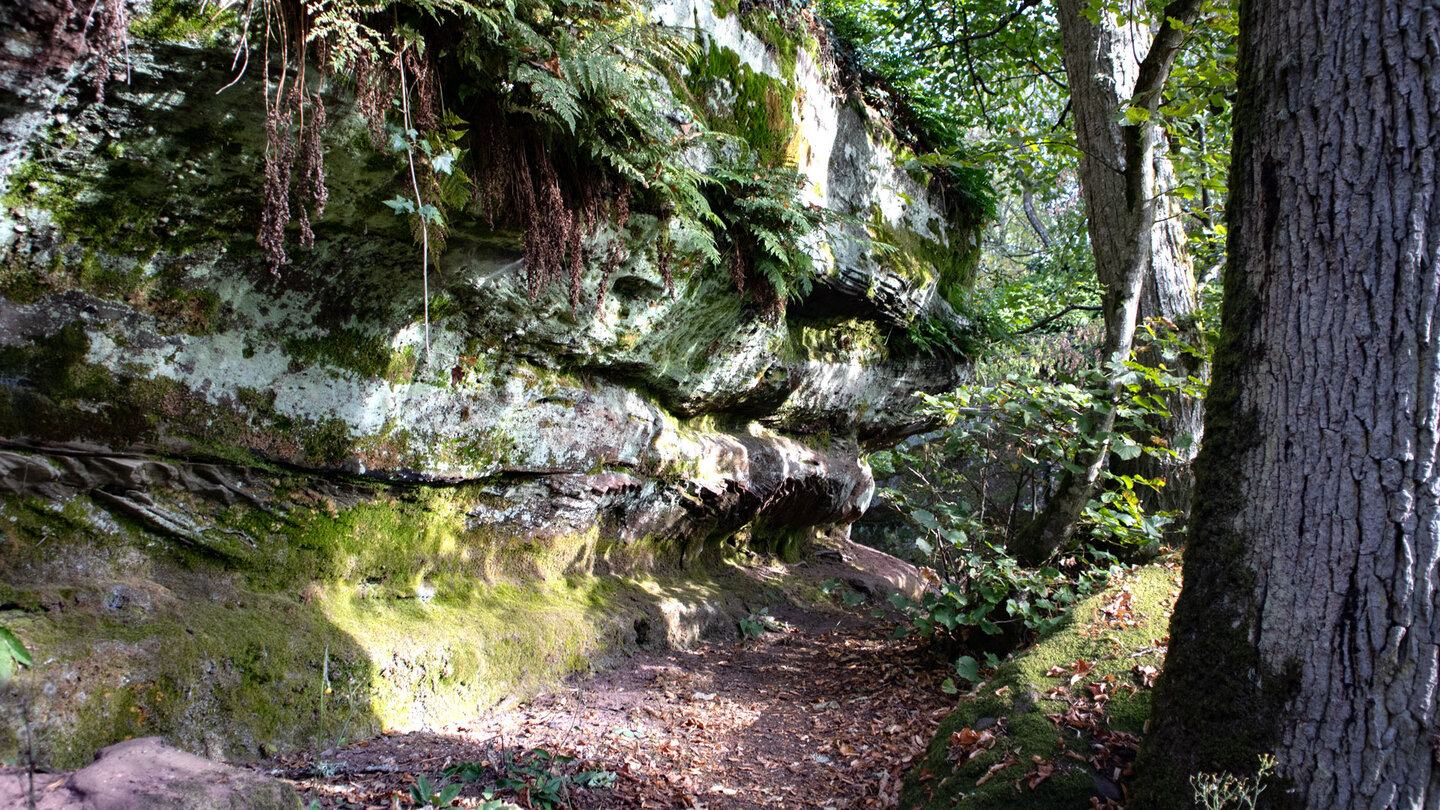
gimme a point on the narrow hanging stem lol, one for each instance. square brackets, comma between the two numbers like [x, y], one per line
[419, 204]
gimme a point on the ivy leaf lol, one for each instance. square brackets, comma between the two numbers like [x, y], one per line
[401, 205]
[444, 162]
[432, 214]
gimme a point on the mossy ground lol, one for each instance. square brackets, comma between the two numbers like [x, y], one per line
[1015, 700]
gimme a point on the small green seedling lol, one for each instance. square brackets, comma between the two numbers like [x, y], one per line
[424, 795]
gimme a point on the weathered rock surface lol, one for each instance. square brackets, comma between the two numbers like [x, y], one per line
[148, 774]
[248, 490]
[41, 57]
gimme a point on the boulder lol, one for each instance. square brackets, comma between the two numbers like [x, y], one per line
[148, 774]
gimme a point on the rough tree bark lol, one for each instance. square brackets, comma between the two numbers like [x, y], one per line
[1309, 622]
[1136, 236]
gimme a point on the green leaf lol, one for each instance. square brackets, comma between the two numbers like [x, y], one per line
[948, 686]
[444, 162]
[10, 644]
[968, 668]
[945, 616]
[926, 519]
[1126, 449]
[420, 791]
[401, 205]
[449, 793]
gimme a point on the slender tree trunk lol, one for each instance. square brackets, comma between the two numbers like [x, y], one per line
[1135, 233]
[1309, 622]
[1027, 201]
[1168, 302]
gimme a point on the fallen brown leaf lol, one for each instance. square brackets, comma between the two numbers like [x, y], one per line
[1011, 758]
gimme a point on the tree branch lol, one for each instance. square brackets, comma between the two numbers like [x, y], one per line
[1025, 5]
[1046, 321]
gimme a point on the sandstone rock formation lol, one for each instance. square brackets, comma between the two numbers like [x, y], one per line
[193, 447]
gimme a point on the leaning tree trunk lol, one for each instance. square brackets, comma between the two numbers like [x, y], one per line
[1309, 622]
[1135, 232]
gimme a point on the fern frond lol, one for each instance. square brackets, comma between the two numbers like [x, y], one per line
[554, 95]
[690, 237]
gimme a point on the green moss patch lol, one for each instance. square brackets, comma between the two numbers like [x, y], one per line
[922, 259]
[739, 101]
[308, 622]
[399, 542]
[841, 342]
[183, 21]
[1059, 723]
[321, 612]
[784, 38]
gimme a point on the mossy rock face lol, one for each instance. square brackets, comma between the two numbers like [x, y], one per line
[303, 611]
[740, 101]
[1058, 724]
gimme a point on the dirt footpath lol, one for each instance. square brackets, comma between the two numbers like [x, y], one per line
[824, 712]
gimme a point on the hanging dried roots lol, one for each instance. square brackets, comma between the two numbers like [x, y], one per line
[742, 272]
[560, 209]
[280, 151]
[295, 122]
[617, 250]
[311, 186]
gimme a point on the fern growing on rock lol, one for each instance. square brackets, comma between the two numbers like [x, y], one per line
[559, 119]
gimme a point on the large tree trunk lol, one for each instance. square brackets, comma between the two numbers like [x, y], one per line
[1308, 623]
[1136, 235]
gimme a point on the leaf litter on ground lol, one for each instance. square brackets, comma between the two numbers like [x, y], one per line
[815, 717]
